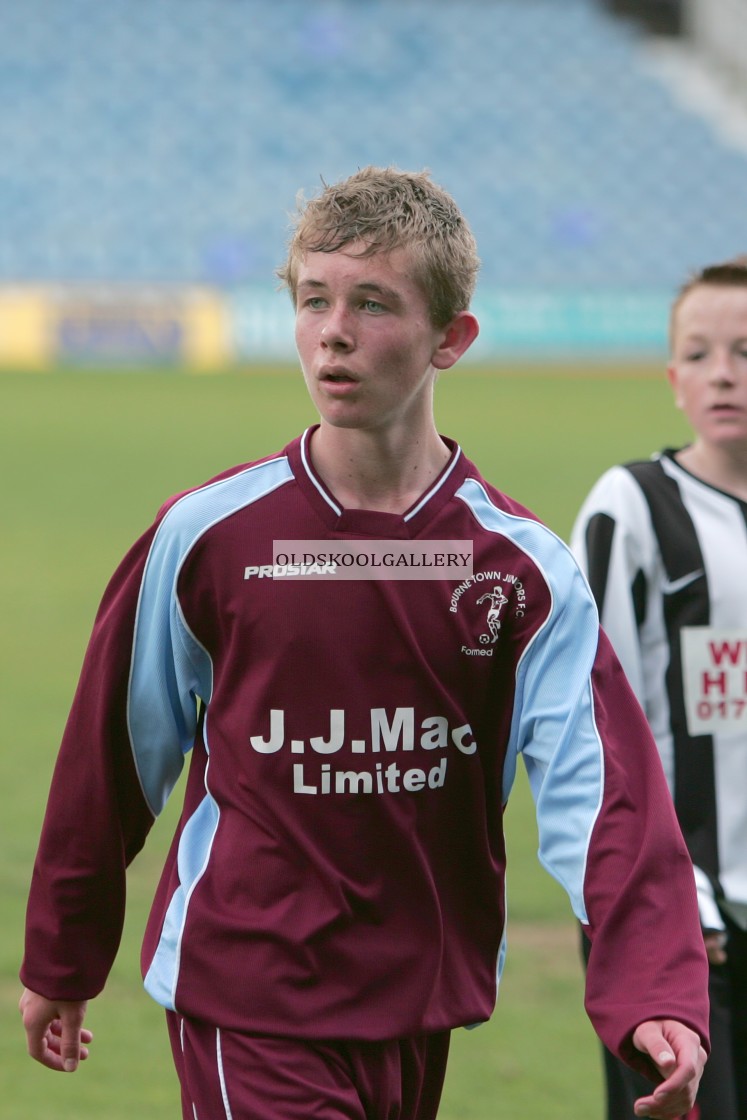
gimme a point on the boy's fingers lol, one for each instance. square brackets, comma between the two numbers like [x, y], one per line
[54, 1030]
[71, 1018]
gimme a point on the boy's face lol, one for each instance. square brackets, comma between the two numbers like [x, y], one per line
[365, 339]
[708, 368]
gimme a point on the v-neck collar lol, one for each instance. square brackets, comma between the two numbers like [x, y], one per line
[367, 522]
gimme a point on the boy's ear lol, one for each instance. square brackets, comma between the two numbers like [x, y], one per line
[457, 338]
[673, 381]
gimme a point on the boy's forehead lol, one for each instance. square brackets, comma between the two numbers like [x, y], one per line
[708, 307]
[353, 263]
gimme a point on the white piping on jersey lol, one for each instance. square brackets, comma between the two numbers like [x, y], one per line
[161, 709]
[560, 742]
[162, 714]
[195, 846]
[312, 476]
[436, 486]
[338, 509]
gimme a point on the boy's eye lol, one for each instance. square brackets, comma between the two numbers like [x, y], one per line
[373, 305]
[315, 302]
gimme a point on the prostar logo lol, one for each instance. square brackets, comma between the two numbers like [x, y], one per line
[278, 571]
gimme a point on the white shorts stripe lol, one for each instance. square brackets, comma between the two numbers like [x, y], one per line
[222, 1076]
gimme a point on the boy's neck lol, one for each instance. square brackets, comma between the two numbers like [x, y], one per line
[375, 471]
[722, 467]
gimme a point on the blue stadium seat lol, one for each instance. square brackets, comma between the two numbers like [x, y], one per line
[149, 140]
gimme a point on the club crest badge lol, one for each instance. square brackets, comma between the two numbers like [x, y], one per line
[492, 597]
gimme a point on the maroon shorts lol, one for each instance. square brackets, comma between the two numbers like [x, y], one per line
[226, 1075]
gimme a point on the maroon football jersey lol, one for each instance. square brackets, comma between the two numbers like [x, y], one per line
[338, 869]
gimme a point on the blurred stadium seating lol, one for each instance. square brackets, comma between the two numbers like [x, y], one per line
[163, 141]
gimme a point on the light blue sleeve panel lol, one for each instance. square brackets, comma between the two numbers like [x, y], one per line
[170, 669]
[194, 852]
[553, 725]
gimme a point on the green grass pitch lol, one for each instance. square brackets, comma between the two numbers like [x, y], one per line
[86, 459]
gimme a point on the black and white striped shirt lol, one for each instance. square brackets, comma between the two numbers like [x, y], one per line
[666, 557]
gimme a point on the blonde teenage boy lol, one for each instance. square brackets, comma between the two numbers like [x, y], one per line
[333, 904]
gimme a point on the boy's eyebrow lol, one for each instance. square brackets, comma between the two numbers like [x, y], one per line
[365, 287]
[687, 341]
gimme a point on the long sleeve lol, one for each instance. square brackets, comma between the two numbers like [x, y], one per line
[112, 775]
[607, 827]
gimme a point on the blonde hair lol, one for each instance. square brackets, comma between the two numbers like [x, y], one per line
[382, 209]
[726, 274]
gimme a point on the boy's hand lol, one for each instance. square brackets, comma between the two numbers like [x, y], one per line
[676, 1052]
[54, 1030]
